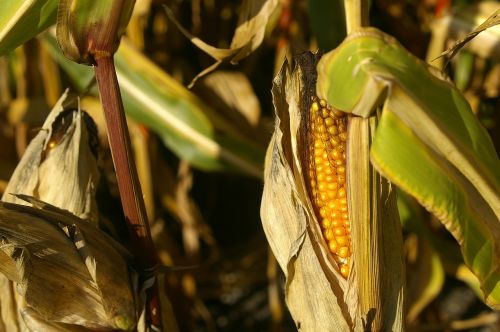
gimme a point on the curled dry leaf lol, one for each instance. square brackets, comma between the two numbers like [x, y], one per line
[475, 26]
[254, 15]
[360, 287]
[67, 270]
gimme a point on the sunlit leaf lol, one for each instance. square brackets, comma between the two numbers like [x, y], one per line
[21, 20]
[428, 142]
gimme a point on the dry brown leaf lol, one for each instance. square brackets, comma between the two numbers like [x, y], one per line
[492, 20]
[63, 140]
[254, 15]
[67, 138]
[67, 270]
[235, 90]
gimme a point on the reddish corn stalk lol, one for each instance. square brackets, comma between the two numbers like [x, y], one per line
[126, 173]
[89, 32]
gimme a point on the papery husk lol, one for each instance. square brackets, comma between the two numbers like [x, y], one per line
[67, 176]
[377, 241]
[66, 270]
[318, 297]
[314, 299]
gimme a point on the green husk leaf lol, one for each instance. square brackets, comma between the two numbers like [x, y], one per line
[428, 142]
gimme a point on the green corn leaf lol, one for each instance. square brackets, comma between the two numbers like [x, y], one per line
[21, 20]
[187, 126]
[428, 142]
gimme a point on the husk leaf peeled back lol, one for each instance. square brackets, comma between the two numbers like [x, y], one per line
[318, 297]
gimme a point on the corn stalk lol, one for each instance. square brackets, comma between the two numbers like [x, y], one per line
[90, 32]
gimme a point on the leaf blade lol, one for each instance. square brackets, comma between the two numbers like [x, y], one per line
[432, 115]
[21, 20]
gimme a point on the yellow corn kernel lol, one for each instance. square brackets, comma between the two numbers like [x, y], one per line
[343, 252]
[333, 246]
[344, 270]
[328, 234]
[339, 231]
[327, 167]
[342, 240]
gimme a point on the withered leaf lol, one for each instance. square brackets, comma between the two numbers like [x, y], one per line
[254, 15]
[59, 165]
[493, 20]
[67, 270]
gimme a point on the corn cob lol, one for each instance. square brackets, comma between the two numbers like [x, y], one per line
[327, 135]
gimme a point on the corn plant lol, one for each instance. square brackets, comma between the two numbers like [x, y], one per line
[359, 132]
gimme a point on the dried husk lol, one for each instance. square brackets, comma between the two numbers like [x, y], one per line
[66, 270]
[66, 175]
[318, 297]
[82, 275]
[377, 239]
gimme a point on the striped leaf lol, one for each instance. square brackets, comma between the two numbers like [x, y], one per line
[21, 20]
[188, 126]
